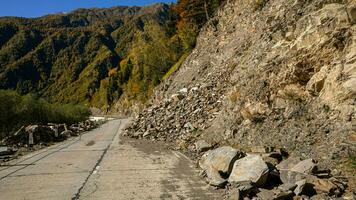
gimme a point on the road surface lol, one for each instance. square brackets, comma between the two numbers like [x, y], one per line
[100, 165]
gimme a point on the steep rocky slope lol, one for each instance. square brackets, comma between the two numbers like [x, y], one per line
[278, 73]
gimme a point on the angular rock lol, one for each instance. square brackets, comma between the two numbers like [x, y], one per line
[271, 158]
[147, 133]
[220, 159]
[307, 166]
[313, 185]
[293, 170]
[291, 176]
[214, 178]
[283, 195]
[235, 195]
[250, 168]
[202, 145]
[322, 185]
[218, 162]
[66, 134]
[244, 187]
[352, 13]
[265, 194]
[300, 187]
[254, 112]
[177, 97]
[288, 163]
[322, 197]
[287, 187]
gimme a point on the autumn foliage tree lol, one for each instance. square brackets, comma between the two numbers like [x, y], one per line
[192, 15]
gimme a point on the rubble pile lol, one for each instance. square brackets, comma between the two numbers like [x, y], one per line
[36, 136]
[280, 75]
[268, 173]
[179, 116]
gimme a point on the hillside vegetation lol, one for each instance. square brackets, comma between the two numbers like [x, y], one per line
[17, 111]
[98, 56]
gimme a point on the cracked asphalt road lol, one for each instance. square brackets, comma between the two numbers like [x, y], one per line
[101, 165]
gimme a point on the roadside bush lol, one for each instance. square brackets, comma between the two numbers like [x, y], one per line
[17, 111]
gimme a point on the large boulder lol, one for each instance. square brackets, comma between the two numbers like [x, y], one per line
[218, 163]
[250, 168]
[214, 178]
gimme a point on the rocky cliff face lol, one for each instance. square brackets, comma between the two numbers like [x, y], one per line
[276, 73]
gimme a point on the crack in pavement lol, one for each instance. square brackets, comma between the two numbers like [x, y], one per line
[76, 196]
[40, 174]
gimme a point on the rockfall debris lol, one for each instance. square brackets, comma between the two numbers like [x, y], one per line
[282, 75]
[36, 136]
[253, 176]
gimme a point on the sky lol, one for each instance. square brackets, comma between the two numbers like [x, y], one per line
[37, 8]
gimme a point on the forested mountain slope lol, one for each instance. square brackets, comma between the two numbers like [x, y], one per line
[89, 56]
[101, 57]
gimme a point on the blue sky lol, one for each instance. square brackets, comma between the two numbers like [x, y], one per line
[37, 8]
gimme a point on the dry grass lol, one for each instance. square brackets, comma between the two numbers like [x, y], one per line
[235, 95]
[259, 4]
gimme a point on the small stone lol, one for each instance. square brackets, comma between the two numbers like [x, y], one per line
[147, 133]
[289, 36]
[283, 195]
[260, 149]
[243, 186]
[300, 186]
[194, 89]
[202, 145]
[137, 134]
[321, 197]
[301, 198]
[287, 186]
[268, 159]
[183, 90]
[189, 126]
[177, 97]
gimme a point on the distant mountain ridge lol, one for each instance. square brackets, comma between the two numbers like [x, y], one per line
[68, 57]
